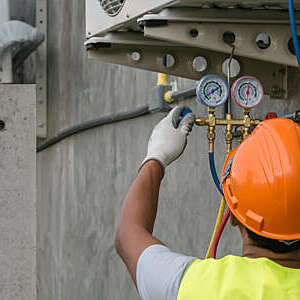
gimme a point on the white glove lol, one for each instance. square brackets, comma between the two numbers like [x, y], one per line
[169, 137]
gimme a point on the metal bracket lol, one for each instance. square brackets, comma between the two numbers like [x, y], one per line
[211, 15]
[41, 71]
[229, 4]
[211, 36]
[99, 21]
[132, 49]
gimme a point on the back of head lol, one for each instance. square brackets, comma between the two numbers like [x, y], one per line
[261, 183]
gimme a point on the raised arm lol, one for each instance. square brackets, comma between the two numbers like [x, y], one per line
[134, 233]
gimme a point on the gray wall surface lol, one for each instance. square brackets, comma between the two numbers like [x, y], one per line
[18, 193]
[82, 180]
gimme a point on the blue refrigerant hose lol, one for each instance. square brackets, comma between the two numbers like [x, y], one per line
[294, 31]
[211, 159]
[214, 172]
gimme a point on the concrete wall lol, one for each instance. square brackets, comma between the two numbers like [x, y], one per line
[18, 193]
[82, 181]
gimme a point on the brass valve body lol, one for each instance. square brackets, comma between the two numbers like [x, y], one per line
[211, 122]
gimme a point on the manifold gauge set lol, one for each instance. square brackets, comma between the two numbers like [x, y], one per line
[212, 90]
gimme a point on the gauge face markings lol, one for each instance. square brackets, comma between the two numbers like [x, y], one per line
[247, 92]
[212, 90]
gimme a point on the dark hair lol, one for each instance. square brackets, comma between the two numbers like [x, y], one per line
[271, 244]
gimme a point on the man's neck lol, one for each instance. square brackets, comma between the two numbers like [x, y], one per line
[289, 260]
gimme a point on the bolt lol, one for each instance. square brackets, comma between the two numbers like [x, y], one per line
[136, 56]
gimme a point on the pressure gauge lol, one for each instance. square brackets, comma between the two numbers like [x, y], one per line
[247, 92]
[212, 90]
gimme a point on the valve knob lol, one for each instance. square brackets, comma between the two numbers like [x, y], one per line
[271, 115]
[185, 112]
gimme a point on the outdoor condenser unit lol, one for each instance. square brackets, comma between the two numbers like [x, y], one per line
[108, 15]
[191, 38]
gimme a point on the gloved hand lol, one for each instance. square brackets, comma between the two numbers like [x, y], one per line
[169, 137]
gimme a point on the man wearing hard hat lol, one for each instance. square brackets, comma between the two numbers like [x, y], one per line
[262, 189]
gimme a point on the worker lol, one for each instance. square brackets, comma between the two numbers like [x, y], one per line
[262, 189]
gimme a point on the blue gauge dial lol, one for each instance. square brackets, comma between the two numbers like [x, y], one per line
[212, 90]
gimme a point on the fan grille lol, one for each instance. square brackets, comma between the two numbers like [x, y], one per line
[112, 7]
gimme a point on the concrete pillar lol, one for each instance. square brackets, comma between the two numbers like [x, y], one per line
[18, 193]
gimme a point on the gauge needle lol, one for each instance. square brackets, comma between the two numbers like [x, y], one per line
[212, 91]
[247, 93]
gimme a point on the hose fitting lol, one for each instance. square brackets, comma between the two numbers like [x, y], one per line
[211, 134]
[228, 134]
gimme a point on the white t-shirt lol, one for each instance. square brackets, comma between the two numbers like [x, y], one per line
[159, 273]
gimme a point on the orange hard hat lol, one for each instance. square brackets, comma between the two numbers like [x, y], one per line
[261, 180]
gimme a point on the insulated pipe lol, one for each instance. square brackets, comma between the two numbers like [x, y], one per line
[144, 110]
[180, 95]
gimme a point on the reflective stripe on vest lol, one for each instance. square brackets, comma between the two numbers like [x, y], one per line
[239, 278]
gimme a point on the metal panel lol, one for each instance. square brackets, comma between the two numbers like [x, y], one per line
[255, 4]
[18, 193]
[210, 36]
[124, 48]
[99, 22]
[41, 71]
[213, 15]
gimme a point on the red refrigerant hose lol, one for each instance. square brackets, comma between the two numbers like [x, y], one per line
[219, 234]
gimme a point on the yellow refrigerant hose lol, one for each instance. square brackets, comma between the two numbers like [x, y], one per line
[217, 225]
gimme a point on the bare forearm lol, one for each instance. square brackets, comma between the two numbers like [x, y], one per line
[138, 215]
[140, 204]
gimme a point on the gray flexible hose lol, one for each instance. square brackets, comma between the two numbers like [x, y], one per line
[141, 111]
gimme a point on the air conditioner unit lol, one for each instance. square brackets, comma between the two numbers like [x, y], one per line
[186, 33]
[109, 15]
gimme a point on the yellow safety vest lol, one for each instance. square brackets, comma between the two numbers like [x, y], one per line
[239, 278]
